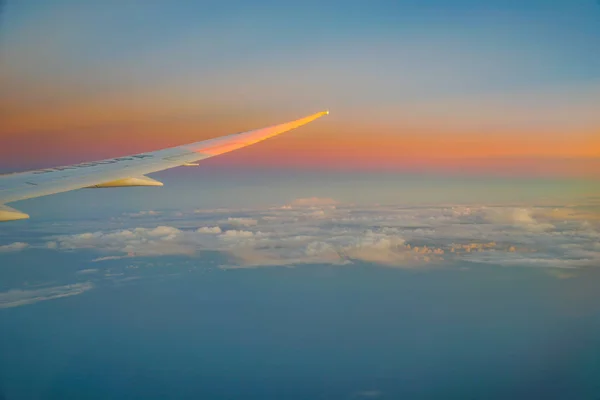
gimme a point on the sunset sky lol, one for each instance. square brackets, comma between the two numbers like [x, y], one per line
[474, 87]
[435, 236]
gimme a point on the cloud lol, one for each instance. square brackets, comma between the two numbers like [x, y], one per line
[389, 249]
[20, 297]
[238, 234]
[162, 240]
[525, 260]
[209, 229]
[241, 221]
[393, 236]
[109, 258]
[313, 202]
[520, 217]
[87, 271]
[16, 246]
[141, 214]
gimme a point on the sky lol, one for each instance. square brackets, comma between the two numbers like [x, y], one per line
[466, 87]
[436, 235]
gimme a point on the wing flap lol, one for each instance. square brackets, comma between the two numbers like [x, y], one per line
[128, 182]
[10, 214]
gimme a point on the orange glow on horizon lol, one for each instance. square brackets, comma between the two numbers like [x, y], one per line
[90, 132]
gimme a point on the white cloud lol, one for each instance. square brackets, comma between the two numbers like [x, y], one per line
[20, 297]
[393, 236]
[241, 221]
[520, 217]
[16, 246]
[162, 240]
[209, 229]
[238, 234]
[392, 250]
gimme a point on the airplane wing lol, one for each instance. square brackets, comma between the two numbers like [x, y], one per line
[126, 171]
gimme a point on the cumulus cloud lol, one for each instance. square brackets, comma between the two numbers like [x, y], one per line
[209, 229]
[21, 297]
[241, 221]
[520, 217]
[238, 234]
[16, 246]
[389, 249]
[395, 236]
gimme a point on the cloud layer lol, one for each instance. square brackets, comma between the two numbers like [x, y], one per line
[317, 231]
[559, 240]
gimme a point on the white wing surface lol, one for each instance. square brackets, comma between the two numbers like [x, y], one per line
[126, 171]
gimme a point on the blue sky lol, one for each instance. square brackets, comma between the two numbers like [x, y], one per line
[112, 32]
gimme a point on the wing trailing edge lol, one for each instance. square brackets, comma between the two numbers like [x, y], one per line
[10, 214]
[128, 182]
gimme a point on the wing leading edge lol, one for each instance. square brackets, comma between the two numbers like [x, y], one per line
[126, 171]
